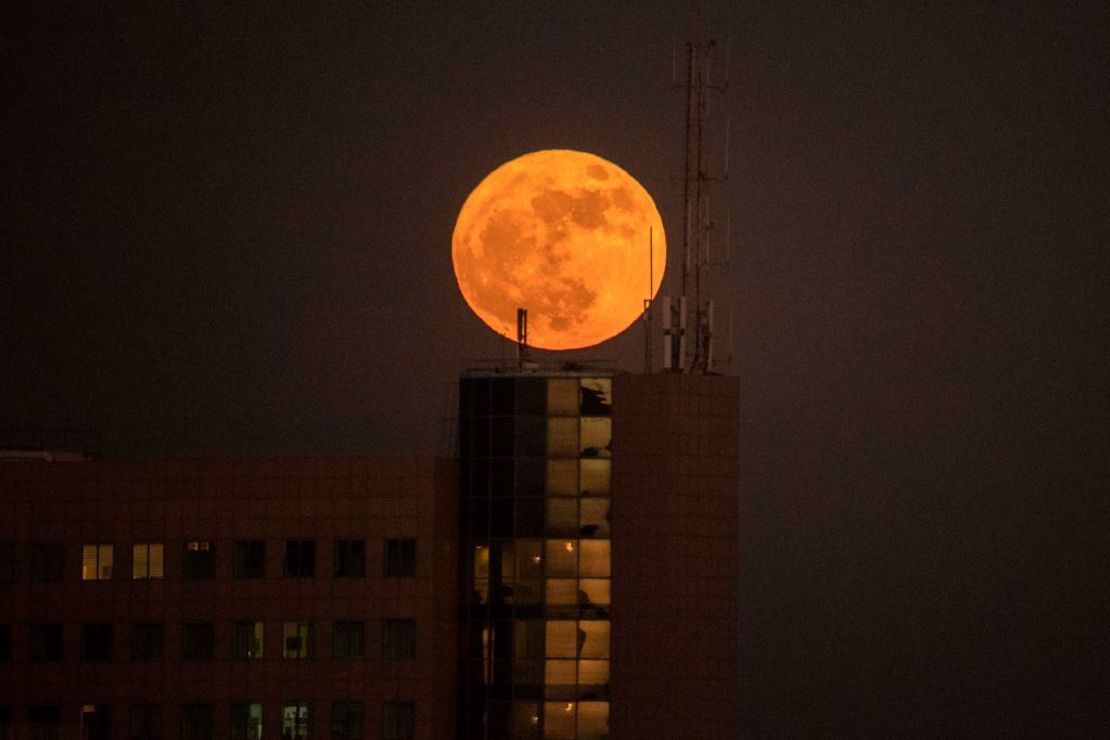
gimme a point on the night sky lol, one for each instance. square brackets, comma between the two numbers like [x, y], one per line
[226, 231]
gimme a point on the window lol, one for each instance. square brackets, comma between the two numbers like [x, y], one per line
[295, 723]
[347, 639]
[296, 640]
[249, 559]
[96, 562]
[350, 558]
[7, 561]
[246, 721]
[5, 723]
[199, 560]
[146, 722]
[146, 561]
[196, 721]
[45, 721]
[5, 643]
[45, 643]
[398, 720]
[47, 561]
[96, 722]
[247, 639]
[347, 720]
[400, 558]
[399, 639]
[146, 641]
[96, 642]
[300, 559]
[198, 640]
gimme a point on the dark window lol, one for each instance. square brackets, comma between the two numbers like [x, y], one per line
[47, 561]
[347, 720]
[7, 561]
[96, 641]
[300, 559]
[146, 722]
[347, 639]
[247, 639]
[199, 560]
[350, 558]
[5, 723]
[400, 558]
[196, 721]
[45, 642]
[398, 720]
[5, 643]
[45, 721]
[146, 641]
[246, 721]
[399, 639]
[249, 559]
[96, 722]
[198, 640]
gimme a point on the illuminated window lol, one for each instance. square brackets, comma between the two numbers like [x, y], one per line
[596, 436]
[198, 562]
[347, 719]
[96, 642]
[47, 561]
[597, 397]
[347, 639]
[593, 559]
[300, 559]
[562, 397]
[297, 639]
[562, 477]
[562, 436]
[45, 643]
[595, 477]
[398, 720]
[7, 561]
[559, 720]
[295, 721]
[248, 559]
[594, 517]
[562, 515]
[146, 641]
[350, 558]
[562, 558]
[96, 562]
[196, 721]
[198, 640]
[146, 561]
[247, 640]
[593, 592]
[400, 558]
[399, 639]
[246, 721]
[146, 722]
[593, 719]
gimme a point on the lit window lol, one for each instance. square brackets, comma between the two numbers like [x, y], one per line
[146, 641]
[347, 720]
[198, 640]
[247, 639]
[593, 719]
[593, 558]
[96, 562]
[594, 517]
[595, 476]
[96, 642]
[295, 723]
[562, 558]
[562, 477]
[562, 397]
[399, 639]
[562, 515]
[350, 558]
[347, 639]
[562, 437]
[199, 560]
[300, 559]
[400, 558]
[296, 640]
[146, 561]
[398, 720]
[248, 559]
[597, 433]
[559, 720]
[246, 721]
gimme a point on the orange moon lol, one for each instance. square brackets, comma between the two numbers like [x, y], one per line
[565, 235]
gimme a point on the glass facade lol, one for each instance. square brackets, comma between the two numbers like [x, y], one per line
[534, 478]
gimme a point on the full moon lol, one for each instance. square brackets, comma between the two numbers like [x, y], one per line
[567, 235]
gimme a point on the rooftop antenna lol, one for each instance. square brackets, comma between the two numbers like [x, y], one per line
[648, 324]
[694, 354]
[522, 337]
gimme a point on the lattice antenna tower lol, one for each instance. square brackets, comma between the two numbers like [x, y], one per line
[689, 348]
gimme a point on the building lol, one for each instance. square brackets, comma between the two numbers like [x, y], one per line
[598, 531]
[571, 576]
[227, 599]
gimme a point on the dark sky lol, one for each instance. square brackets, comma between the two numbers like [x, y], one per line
[226, 231]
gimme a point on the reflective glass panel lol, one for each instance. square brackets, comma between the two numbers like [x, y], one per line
[562, 477]
[594, 558]
[562, 558]
[596, 434]
[562, 396]
[562, 437]
[595, 477]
